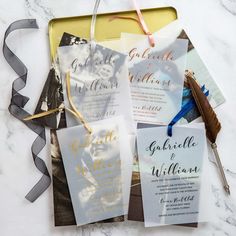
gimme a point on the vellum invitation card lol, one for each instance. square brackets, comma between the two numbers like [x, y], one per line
[193, 63]
[98, 169]
[63, 209]
[170, 170]
[52, 94]
[156, 77]
[99, 83]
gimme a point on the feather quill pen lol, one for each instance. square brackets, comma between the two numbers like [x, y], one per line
[212, 124]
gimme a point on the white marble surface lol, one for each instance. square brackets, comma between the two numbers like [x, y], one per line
[210, 24]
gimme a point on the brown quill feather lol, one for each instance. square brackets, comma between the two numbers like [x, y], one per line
[208, 115]
[211, 122]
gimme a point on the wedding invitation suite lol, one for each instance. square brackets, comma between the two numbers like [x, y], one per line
[156, 77]
[171, 171]
[99, 83]
[96, 97]
[98, 169]
[103, 167]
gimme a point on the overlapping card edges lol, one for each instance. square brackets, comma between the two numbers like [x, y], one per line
[98, 86]
[156, 78]
[193, 61]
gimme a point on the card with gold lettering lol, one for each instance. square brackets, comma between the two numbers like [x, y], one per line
[156, 77]
[171, 174]
[99, 82]
[96, 166]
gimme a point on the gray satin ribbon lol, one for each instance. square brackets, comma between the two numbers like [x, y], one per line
[17, 104]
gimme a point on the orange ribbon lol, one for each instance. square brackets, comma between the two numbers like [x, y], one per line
[140, 21]
[143, 24]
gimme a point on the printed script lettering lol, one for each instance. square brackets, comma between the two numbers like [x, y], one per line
[146, 54]
[173, 168]
[153, 78]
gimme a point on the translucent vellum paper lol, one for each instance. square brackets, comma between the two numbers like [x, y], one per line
[156, 77]
[99, 83]
[98, 169]
[194, 63]
[52, 93]
[172, 171]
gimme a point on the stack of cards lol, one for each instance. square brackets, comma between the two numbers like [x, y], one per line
[127, 92]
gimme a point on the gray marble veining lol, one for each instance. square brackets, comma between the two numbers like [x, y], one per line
[38, 7]
[216, 46]
[229, 5]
